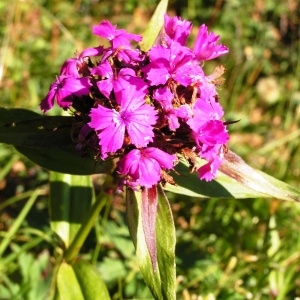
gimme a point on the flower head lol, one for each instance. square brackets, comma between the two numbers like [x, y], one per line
[146, 108]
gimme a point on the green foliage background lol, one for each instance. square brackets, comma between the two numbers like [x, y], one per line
[226, 249]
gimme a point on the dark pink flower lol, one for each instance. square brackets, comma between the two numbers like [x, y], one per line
[164, 96]
[212, 133]
[206, 124]
[173, 61]
[117, 37]
[206, 46]
[63, 89]
[116, 81]
[70, 68]
[134, 117]
[177, 29]
[143, 167]
[171, 113]
[204, 111]
[94, 51]
[209, 170]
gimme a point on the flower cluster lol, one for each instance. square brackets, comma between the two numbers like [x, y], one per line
[146, 108]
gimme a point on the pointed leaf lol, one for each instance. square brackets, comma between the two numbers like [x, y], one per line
[66, 160]
[166, 240]
[149, 211]
[47, 142]
[70, 202]
[234, 180]
[91, 283]
[67, 284]
[80, 281]
[154, 26]
[162, 281]
[39, 132]
[16, 114]
[236, 168]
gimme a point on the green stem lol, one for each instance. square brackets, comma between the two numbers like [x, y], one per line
[86, 227]
[18, 221]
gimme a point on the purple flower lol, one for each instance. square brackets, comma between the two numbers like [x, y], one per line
[94, 51]
[204, 111]
[117, 37]
[164, 96]
[206, 47]
[143, 167]
[63, 89]
[210, 135]
[105, 86]
[206, 124]
[209, 170]
[116, 82]
[70, 68]
[171, 114]
[173, 61]
[133, 117]
[177, 29]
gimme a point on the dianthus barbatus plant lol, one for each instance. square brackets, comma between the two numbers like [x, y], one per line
[148, 115]
[147, 108]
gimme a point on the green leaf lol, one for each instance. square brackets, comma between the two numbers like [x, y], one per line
[71, 199]
[162, 281]
[90, 281]
[149, 210]
[154, 26]
[67, 284]
[80, 281]
[16, 114]
[236, 168]
[47, 142]
[66, 160]
[234, 180]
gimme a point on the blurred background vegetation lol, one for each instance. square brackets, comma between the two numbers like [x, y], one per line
[226, 249]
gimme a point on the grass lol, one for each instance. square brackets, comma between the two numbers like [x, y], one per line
[226, 249]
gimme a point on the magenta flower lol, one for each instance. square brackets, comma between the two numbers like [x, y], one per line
[206, 47]
[105, 86]
[94, 51]
[209, 170]
[204, 111]
[143, 167]
[133, 117]
[173, 61]
[210, 135]
[70, 68]
[117, 37]
[171, 113]
[206, 124]
[177, 29]
[116, 82]
[63, 89]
